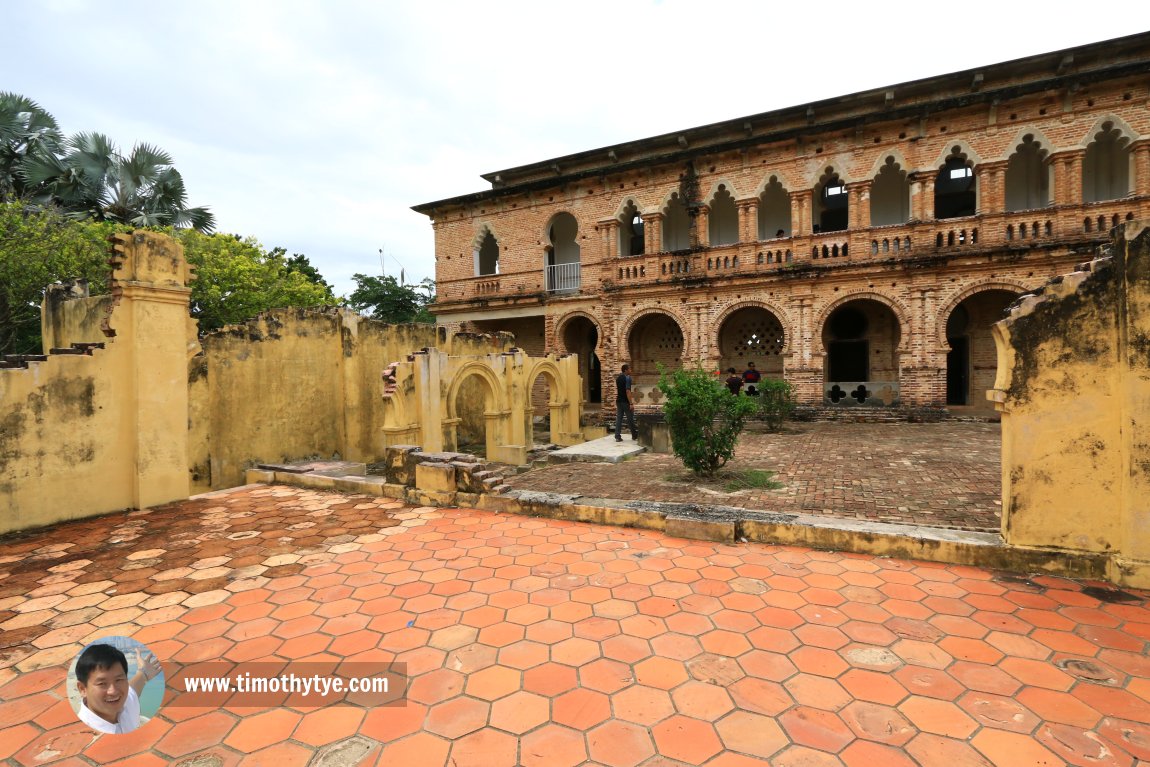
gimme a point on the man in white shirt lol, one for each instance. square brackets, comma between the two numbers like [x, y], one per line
[109, 701]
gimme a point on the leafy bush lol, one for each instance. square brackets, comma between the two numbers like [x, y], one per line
[776, 402]
[704, 419]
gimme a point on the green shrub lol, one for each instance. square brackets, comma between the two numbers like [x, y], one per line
[703, 417]
[776, 402]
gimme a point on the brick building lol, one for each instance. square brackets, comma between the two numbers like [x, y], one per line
[860, 247]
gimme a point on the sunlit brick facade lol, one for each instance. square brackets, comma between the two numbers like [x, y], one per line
[860, 247]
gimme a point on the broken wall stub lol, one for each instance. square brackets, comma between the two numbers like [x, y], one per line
[98, 423]
[1073, 388]
[426, 394]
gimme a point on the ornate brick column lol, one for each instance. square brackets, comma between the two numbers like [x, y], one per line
[610, 229]
[859, 202]
[991, 180]
[748, 219]
[653, 232]
[801, 211]
[703, 225]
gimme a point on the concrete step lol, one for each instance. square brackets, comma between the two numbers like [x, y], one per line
[602, 450]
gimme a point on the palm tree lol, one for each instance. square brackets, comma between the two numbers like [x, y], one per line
[26, 131]
[91, 179]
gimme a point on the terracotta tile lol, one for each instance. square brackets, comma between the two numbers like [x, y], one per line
[1037, 673]
[642, 705]
[801, 756]
[196, 734]
[581, 709]
[930, 682]
[519, 712]
[939, 717]
[421, 748]
[751, 734]
[388, 723]
[279, 755]
[701, 700]
[327, 725]
[817, 692]
[262, 730]
[816, 728]
[552, 746]
[493, 682]
[619, 744]
[686, 739]
[662, 673]
[816, 660]
[1002, 747]
[998, 711]
[550, 679]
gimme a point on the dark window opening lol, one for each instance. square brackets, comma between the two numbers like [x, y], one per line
[954, 190]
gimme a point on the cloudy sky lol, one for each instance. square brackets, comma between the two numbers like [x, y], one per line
[315, 126]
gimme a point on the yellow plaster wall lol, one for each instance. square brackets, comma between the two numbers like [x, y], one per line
[1073, 387]
[89, 434]
[293, 384]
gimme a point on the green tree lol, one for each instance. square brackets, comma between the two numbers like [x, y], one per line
[300, 263]
[26, 131]
[92, 179]
[236, 279]
[39, 247]
[383, 298]
[704, 419]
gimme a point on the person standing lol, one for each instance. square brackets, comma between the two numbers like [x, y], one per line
[624, 403]
[751, 378]
[734, 381]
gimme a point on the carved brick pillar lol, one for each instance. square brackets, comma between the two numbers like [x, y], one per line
[800, 211]
[991, 180]
[1072, 185]
[804, 366]
[610, 229]
[653, 232]
[1140, 184]
[749, 219]
[703, 225]
[859, 202]
[922, 372]
[927, 197]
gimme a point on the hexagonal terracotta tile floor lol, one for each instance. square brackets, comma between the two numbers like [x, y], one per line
[531, 641]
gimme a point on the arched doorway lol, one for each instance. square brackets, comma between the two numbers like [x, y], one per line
[654, 339]
[581, 337]
[470, 407]
[861, 339]
[543, 395]
[752, 334]
[972, 361]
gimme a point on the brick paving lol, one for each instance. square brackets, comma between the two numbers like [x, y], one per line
[938, 474]
[542, 642]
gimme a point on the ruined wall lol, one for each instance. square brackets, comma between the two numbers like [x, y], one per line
[89, 430]
[294, 383]
[1073, 387]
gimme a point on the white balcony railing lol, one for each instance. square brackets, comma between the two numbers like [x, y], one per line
[563, 278]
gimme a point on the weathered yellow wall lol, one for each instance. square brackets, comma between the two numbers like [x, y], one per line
[1074, 390]
[89, 434]
[70, 316]
[293, 384]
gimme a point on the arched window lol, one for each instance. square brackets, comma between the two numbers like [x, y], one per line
[1027, 177]
[631, 241]
[831, 203]
[774, 211]
[723, 222]
[1106, 168]
[487, 255]
[890, 196]
[676, 225]
[955, 192]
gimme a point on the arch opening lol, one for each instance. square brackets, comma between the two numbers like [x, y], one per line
[723, 222]
[653, 340]
[581, 337]
[752, 334]
[774, 211]
[676, 225]
[631, 237]
[955, 187]
[861, 340]
[972, 360]
[1106, 167]
[831, 203]
[890, 195]
[487, 256]
[562, 254]
[473, 400]
[1027, 177]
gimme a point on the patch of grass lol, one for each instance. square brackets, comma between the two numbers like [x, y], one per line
[750, 479]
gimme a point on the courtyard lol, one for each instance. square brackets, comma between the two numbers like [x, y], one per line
[541, 642]
[945, 474]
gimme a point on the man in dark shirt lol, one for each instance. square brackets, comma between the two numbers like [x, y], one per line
[751, 378]
[624, 403]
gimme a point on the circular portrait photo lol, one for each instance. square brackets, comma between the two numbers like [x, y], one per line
[115, 685]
